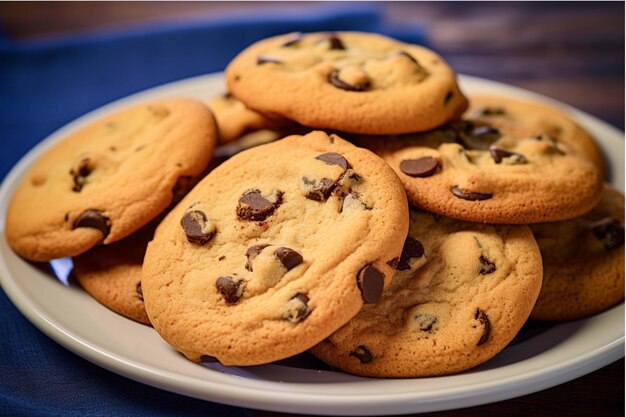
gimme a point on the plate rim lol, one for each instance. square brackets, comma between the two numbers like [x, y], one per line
[317, 403]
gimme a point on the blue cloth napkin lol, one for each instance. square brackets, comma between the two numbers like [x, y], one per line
[44, 85]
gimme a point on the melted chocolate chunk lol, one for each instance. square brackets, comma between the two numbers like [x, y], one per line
[264, 59]
[197, 227]
[498, 154]
[333, 158]
[448, 97]
[422, 167]
[413, 248]
[610, 232]
[362, 354]
[370, 281]
[319, 190]
[334, 41]
[230, 289]
[469, 195]
[253, 206]
[95, 220]
[486, 266]
[393, 262]
[425, 322]
[288, 257]
[482, 317]
[253, 252]
[297, 308]
[139, 291]
[333, 78]
[476, 137]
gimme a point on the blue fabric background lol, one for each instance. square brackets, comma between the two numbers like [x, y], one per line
[44, 85]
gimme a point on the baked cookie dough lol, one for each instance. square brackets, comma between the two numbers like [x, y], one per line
[461, 293]
[347, 81]
[274, 250]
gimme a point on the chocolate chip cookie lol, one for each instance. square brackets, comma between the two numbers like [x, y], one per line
[108, 179]
[274, 250]
[470, 170]
[540, 118]
[460, 294]
[347, 81]
[583, 261]
[111, 274]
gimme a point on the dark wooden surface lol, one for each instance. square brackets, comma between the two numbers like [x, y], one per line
[573, 52]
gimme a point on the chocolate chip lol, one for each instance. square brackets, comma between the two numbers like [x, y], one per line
[208, 359]
[230, 289]
[221, 258]
[334, 41]
[422, 167]
[486, 266]
[413, 248]
[297, 308]
[288, 257]
[482, 317]
[469, 195]
[370, 281]
[393, 262]
[498, 154]
[95, 220]
[425, 322]
[610, 232]
[448, 97]
[67, 217]
[264, 59]
[80, 172]
[333, 78]
[139, 291]
[476, 137]
[197, 227]
[362, 354]
[254, 206]
[319, 190]
[253, 252]
[333, 158]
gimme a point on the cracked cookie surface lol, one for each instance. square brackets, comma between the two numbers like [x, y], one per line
[109, 178]
[583, 261]
[470, 170]
[460, 294]
[347, 81]
[274, 250]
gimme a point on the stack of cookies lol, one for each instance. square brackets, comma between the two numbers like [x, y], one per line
[343, 198]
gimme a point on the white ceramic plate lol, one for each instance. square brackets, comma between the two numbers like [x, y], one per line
[540, 357]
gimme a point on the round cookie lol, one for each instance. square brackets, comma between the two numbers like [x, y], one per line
[469, 170]
[583, 262]
[348, 81]
[274, 250]
[461, 293]
[111, 274]
[234, 119]
[540, 118]
[108, 179]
